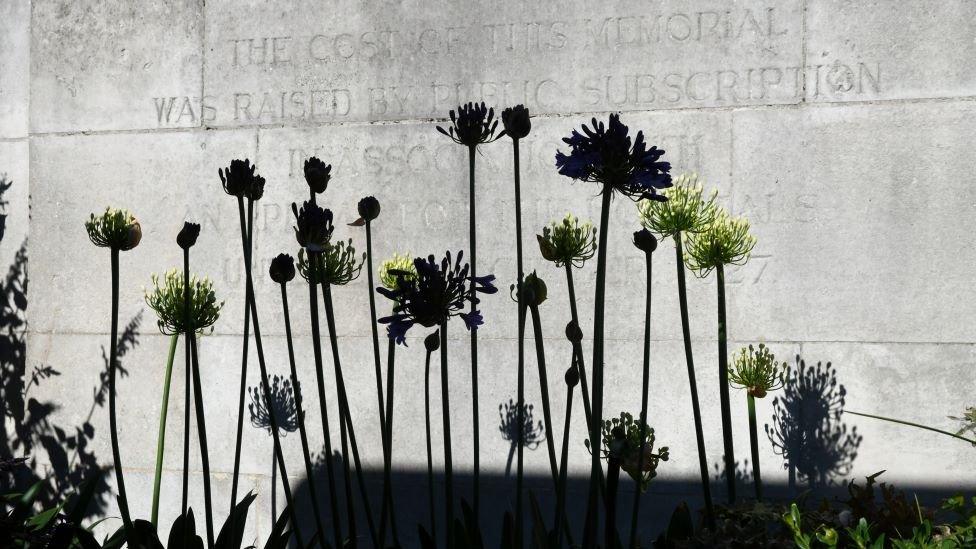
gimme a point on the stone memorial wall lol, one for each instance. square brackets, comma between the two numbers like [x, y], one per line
[842, 129]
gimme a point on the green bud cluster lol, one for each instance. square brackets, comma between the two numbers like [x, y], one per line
[167, 300]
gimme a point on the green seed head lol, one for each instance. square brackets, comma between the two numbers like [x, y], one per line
[756, 370]
[337, 265]
[622, 440]
[167, 300]
[396, 263]
[568, 241]
[687, 209]
[725, 241]
[116, 228]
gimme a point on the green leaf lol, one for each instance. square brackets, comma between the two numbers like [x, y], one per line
[232, 532]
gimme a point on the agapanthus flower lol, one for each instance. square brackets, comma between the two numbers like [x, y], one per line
[516, 121]
[757, 371]
[282, 269]
[568, 241]
[255, 188]
[237, 178]
[606, 154]
[280, 404]
[338, 265]
[437, 292]
[531, 434]
[188, 235]
[313, 226]
[167, 300]
[622, 439]
[317, 175]
[534, 290]
[472, 125]
[116, 228]
[396, 264]
[725, 241]
[645, 241]
[686, 210]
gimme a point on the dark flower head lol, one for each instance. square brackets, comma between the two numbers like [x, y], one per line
[188, 235]
[282, 269]
[317, 175]
[573, 332]
[433, 341]
[534, 290]
[435, 293]
[572, 376]
[282, 404]
[255, 188]
[237, 177]
[472, 125]
[516, 121]
[338, 265]
[622, 440]
[117, 229]
[529, 433]
[369, 208]
[313, 226]
[645, 241]
[606, 154]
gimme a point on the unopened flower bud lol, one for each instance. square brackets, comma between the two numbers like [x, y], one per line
[645, 241]
[188, 235]
[432, 342]
[282, 268]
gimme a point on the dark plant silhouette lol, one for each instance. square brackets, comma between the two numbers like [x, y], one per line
[607, 155]
[118, 231]
[431, 343]
[474, 124]
[817, 447]
[530, 435]
[281, 404]
[685, 211]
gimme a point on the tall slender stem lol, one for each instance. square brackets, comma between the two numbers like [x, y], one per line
[344, 415]
[430, 455]
[247, 232]
[274, 486]
[723, 387]
[187, 411]
[911, 424]
[190, 334]
[300, 403]
[645, 389]
[596, 420]
[692, 383]
[613, 483]
[475, 416]
[520, 438]
[388, 461]
[754, 446]
[113, 426]
[161, 438]
[353, 536]
[563, 465]
[249, 292]
[540, 353]
[384, 507]
[446, 411]
[313, 304]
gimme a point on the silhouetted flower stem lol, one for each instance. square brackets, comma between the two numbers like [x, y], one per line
[645, 389]
[540, 352]
[247, 233]
[352, 535]
[430, 455]
[723, 384]
[344, 415]
[520, 463]
[161, 439]
[299, 401]
[113, 358]
[475, 418]
[692, 383]
[249, 298]
[572, 378]
[187, 393]
[448, 467]
[754, 446]
[912, 424]
[191, 340]
[388, 436]
[596, 420]
[313, 305]
[613, 482]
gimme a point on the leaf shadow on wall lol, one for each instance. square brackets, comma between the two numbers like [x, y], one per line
[58, 454]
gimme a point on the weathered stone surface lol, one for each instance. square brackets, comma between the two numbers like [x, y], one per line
[389, 60]
[863, 235]
[859, 51]
[114, 65]
[14, 67]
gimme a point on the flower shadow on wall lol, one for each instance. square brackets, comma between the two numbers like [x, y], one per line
[817, 447]
[59, 453]
[533, 434]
